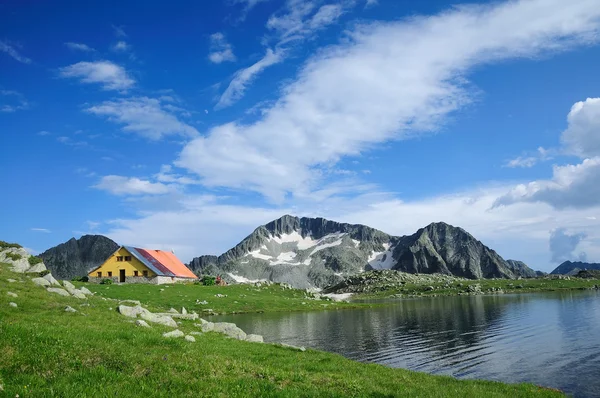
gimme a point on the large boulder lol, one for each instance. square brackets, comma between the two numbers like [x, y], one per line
[85, 291]
[39, 267]
[51, 279]
[131, 312]
[230, 329]
[40, 282]
[161, 320]
[174, 334]
[69, 285]
[58, 290]
[255, 338]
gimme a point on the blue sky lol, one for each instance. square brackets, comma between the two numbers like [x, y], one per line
[187, 125]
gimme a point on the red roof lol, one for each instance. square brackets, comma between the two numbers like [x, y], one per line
[165, 262]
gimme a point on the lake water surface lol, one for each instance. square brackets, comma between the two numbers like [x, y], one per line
[550, 339]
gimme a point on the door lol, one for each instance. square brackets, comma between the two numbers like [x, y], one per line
[121, 275]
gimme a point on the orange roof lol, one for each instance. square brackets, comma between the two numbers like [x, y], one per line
[163, 263]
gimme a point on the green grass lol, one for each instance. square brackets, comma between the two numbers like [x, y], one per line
[489, 286]
[46, 352]
[33, 260]
[14, 256]
[6, 245]
[239, 298]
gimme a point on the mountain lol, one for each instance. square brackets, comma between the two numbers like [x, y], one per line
[573, 267]
[77, 257]
[520, 268]
[307, 252]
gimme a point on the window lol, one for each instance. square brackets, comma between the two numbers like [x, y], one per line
[127, 258]
[145, 273]
[135, 273]
[119, 258]
[99, 274]
[109, 273]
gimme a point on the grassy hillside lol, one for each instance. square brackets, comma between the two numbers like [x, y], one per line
[96, 352]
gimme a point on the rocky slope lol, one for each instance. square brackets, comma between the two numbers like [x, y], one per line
[77, 257]
[315, 252]
[573, 267]
[19, 259]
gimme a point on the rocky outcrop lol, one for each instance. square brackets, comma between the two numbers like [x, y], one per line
[519, 268]
[315, 252]
[19, 259]
[573, 267]
[77, 257]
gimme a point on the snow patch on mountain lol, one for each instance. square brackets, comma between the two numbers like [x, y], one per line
[241, 279]
[382, 260]
[325, 246]
[284, 258]
[303, 243]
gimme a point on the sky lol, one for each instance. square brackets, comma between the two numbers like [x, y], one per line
[186, 125]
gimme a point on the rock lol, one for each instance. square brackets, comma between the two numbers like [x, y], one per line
[203, 302]
[220, 295]
[70, 309]
[11, 294]
[183, 311]
[173, 311]
[74, 292]
[39, 267]
[134, 302]
[173, 334]
[161, 320]
[254, 338]
[190, 317]
[230, 329]
[85, 291]
[131, 312]
[189, 338]
[51, 279]
[142, 323]
[11, 280]
[207, 326]
[293, 347]
[58, 290]
[40, 282]
[13, 304]
[69, 285]
[196, 333]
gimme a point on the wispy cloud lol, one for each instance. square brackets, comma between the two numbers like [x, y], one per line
[44, 230]
[126, 186]
[541, 155]
[244, 77]
[145, 116]
[43, 133]
[79, 47]
[111, 76]
[385, 81]
[12, 101]
[118, 31]
[220, 49]
[11, 51]
[121, 46]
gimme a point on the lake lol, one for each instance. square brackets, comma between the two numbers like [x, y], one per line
[549, 339]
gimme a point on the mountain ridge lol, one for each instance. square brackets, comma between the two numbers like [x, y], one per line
[573, 267]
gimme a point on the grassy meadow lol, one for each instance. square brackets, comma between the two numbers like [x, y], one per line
[96, 352]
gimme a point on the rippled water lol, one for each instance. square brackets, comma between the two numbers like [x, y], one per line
[550, 339]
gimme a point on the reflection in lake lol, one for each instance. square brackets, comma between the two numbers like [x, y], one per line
[550, 339]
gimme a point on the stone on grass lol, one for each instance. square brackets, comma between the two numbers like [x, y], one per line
[173, 311]
[131, 312]
[13, 304]
[11, 280]
[161, 320]
[58, 290]
[40, 281]
[207, 326]
[85, 291]
[255, 338]
[173, 334]
[230, 329]
[68, 284]
[142, 323]
[183, 311]
[70, 309]
[293, 347]
[75, 293]
[11, 294]
[189, 338]
[51, 279]
[134, 302]
[196, 333]
[39, 267]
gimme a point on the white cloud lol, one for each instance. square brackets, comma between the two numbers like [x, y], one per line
[79, 47]
[118, 31]
[119, 185]
[326, 15]
[43, 133]
[44, 230]
[12, 101]
[121, 46]
[11, 51]
[106, 73]
[563, 244]
[386, 81]
[145, 116]
[582, 137]
[244, 77]
[530, 161]
[220, 49]
[371, 3]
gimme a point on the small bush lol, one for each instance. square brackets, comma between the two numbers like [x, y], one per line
[208, 280]
[81, 279]
[44, 273]
[6, 245]
[14, 256]
[33, 260]
[106, 282]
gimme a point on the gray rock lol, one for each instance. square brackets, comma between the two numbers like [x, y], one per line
[173, 334]
[70, 309]
[183, 311]
[161, 320]
[58, 290]
[39, 267]
[196, 333]
[11, 294]
[134, 302]
[142, 323]
[74, 292]
[173, 311]
[13, 304]
[85, 291]
[51, 279]
[230, 329]
[190, 317]
[131, 312]
[189, 338]
[40, 282]
[68, 285]
[293, 347]
[11, 280]
[254, 338]
[207, 326]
